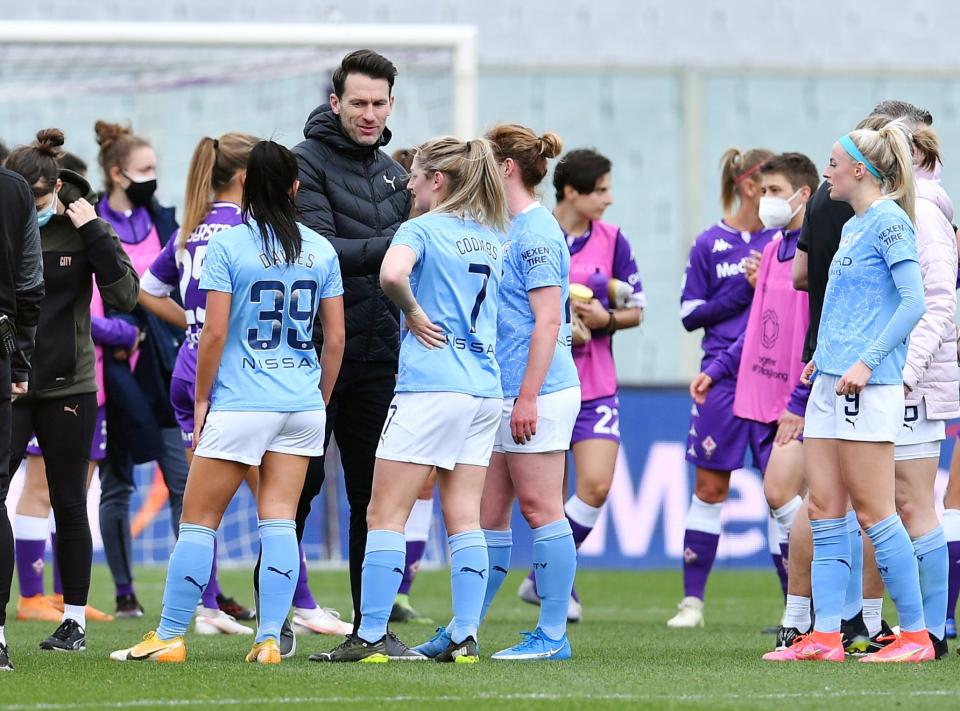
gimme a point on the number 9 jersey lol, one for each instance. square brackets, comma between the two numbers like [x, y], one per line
[269, 363]
[456, 281]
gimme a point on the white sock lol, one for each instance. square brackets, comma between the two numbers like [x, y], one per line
[420, 520]
[30, 528]
[77, 613]
[872, 612]
[581, 512]
[951, 524]
[703, 516]
[773, 536]
[785, 515]
[52, 522]
[797, 613]
[3, 637]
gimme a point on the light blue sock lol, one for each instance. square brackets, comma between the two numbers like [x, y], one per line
[554, 565]
[279, 573]
[383, 562]
[933, 563]
[830, 571]
[499, 548]
[187, 576]
[897, 564]
[468, 582]
[854, 599]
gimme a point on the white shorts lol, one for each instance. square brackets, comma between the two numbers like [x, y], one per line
[245, 436]
[919, 438]
[873, 415]
[556, 417]
[440, 429]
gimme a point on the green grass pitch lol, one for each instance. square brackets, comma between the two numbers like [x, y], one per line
[624, 657]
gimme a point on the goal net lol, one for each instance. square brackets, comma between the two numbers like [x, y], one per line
[176, 82]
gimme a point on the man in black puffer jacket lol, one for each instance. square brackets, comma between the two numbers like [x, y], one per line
[356, 196]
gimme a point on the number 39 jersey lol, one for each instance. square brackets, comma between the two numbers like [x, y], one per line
[269, 362]
[535, 256]
[456, 281]
[171, 270]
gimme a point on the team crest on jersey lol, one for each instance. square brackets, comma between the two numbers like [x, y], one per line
[505, 247]
[689, 556]
[709, 446]
[770, 328]
[721, 245]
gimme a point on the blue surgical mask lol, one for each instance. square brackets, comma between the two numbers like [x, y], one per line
[46, 214]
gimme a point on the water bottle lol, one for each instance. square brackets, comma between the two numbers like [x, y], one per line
[598, 284]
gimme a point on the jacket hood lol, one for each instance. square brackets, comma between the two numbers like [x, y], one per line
[74, 187]
[929, 188]
[324, 125]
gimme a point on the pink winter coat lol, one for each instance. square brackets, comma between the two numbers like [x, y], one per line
[931, 371]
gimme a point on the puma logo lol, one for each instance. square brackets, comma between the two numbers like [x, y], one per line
[853, 423]
[473, 570]
[498, 569]
[72, 410]
[398, 570]
[909, 427]
[390, 181]
[280, 572]
[194, 582]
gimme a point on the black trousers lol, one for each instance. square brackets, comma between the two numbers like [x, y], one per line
[6, 533]
[356, 413]
[64, 429]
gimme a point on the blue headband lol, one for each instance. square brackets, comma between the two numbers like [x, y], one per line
[851, 148]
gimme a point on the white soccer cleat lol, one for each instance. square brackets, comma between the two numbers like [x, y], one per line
[528, 592]
[320, 620]
[212, 622]
[574, 610]
[690, 614]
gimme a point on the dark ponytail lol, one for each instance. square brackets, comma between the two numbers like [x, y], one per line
[268, 197]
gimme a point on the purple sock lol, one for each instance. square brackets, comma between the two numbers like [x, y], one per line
[57, 584]
[953, 548]
[209, 597]
[302, 597]
[699, 552]
[415, 551]
[124, 589]
[785, 553]
[29, 555]
[781, 572]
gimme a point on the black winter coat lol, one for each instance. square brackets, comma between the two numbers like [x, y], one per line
[355, 196]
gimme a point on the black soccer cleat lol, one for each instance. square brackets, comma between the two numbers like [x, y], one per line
[854, 635]
[882, 638]
[288, 641]
[397, 651]
[5, 664]
[68, 637]
[786, 636]
[940, 648]
[235, 609]
[466, 652]
[128, 606]
[354, 649]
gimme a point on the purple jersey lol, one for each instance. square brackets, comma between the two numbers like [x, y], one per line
[171, 270]
[715, 295]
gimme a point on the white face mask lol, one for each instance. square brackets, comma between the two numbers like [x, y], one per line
[775, 212]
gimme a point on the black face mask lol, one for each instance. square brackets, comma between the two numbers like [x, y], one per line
[140, 194]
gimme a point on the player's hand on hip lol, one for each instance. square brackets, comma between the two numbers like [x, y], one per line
[427, 332]
[806, 377]
[523, 419]
[700, 387]
[789, 428]
[200, 410]
[855, 379]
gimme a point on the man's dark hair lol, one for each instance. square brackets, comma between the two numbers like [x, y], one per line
[894, 108]
[4, 152]
[580, 169]
[795, 167]
[366, 62]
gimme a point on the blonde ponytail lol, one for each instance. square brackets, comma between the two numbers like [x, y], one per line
[889, 150]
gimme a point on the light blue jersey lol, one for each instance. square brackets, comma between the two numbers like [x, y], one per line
[269, 362]
[456, 282]
[535, 256]
[861, 296]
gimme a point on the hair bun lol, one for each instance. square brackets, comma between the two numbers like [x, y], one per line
[549, 145]
[49, 141]
[108, 132]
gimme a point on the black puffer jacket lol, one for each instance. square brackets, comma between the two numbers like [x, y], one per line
[355, 196]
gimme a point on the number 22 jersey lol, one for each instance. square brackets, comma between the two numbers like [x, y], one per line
[456, 281]
[269, 363]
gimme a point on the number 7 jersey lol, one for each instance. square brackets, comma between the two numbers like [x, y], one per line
[269, 363]
[456, 281]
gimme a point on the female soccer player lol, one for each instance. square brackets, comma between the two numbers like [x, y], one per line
[599, 252]
[61, 404]
[874, 299]
[716, 297]
[260, 397]
[217, 170]
[443, 271]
